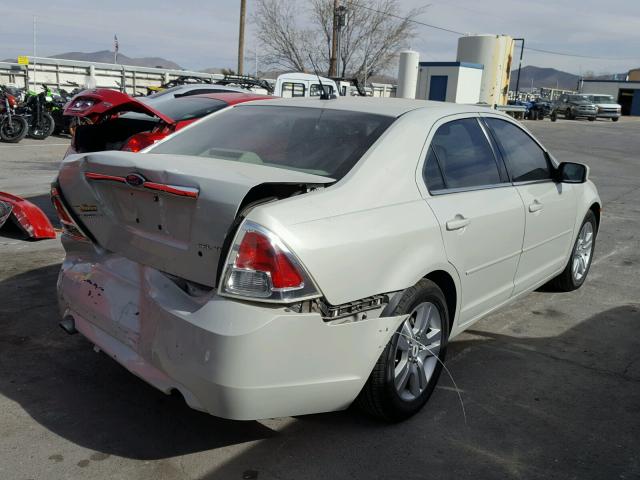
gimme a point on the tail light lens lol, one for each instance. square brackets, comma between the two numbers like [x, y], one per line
[70, 227]
[12, 101]
[81, 104]
[261, 267]
[142, 140]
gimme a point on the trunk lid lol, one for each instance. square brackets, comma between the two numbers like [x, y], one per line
[99, 102]
[170, 212]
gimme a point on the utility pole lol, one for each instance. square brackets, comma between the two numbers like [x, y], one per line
[334, 40]
[243, 13]
[519, 65]
[35, 27]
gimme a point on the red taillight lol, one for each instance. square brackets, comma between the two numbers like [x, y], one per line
[142, 140]
[257, 253]
[260, 266]
[70, 227]
[12, 101]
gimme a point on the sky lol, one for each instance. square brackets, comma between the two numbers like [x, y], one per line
[201, 34]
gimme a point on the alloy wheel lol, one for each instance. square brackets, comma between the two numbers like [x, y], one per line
[582, 252]
[417, 350]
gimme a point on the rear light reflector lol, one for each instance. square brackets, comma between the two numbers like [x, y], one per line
[261, 267]
[69, 226]
[140, 141]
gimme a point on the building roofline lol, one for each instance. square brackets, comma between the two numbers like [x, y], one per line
[479, 66]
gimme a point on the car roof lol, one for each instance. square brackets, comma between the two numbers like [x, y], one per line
[392, 107]
[232, 98]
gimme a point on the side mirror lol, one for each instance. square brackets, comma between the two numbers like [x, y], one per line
[569, 172]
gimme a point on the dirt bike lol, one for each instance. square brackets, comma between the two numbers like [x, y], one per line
[13, 127]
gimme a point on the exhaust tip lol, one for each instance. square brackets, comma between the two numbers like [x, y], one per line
[68, 324]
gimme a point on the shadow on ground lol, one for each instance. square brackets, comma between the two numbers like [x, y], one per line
[553, 407]
[86, 397]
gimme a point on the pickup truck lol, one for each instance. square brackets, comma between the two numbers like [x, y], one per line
[606, 105]
[574, 106]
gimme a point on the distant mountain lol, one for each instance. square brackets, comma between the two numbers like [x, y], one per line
[106, 56]
[543, 77]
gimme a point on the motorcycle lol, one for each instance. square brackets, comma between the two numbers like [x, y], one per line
[13, 127]
[34, 109]
[60, 98]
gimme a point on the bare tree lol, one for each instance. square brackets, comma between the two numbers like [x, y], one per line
[374, 32]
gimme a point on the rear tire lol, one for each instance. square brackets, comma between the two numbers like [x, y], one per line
[42, 131]
[404, 376]
[14, 131]
[575, 273]
[615, 119]
[568, 114]
[592, 119]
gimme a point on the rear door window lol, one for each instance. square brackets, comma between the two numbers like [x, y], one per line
[464, 155]
[316, 90]
[525, 159]
[290, 89]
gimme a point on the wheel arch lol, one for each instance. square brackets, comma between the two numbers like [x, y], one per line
[444, 280]
[596, 208]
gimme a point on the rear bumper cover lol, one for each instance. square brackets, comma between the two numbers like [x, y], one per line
[233, 359]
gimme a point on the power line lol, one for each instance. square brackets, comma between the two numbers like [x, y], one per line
[551, 52]
[448, 30]
[408, 19]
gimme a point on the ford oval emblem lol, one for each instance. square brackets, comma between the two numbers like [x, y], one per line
[135, 180]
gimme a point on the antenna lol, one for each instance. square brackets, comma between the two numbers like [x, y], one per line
[324, 95]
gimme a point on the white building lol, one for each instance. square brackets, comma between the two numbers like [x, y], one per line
[625, 92]
[457, 82]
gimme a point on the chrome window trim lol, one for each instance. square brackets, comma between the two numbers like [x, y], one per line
[437, 193]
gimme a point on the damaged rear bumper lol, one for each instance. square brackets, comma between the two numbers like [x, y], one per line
[233, 359]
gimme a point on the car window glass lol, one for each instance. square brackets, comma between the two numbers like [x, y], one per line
[464, 154]
[524, 157]
[313, 140]
[431, 172]
[290, 89]
[315, 90]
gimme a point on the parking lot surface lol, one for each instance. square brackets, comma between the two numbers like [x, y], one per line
[550, 385]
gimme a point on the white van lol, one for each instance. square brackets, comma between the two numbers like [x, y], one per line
[297, 84]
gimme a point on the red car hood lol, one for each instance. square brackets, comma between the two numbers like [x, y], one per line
[95, 103]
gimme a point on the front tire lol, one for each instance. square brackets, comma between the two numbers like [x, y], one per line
[615, 119]
[15, 130]
[592, 119]
[575, 273]
[44, 129]
[406, 373]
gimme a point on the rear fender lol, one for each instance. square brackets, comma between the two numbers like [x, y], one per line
[31, 219]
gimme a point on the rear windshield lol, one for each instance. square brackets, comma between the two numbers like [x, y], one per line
[313, 140]
[185, 108]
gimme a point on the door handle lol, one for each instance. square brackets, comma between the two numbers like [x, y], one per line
[457, 223]
[536, 206]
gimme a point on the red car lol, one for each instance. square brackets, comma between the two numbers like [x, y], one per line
[110, 120]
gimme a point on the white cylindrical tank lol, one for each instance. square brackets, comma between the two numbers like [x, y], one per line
[495, 53]
[407, 74]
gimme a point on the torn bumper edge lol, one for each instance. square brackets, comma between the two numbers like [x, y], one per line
[232, 359]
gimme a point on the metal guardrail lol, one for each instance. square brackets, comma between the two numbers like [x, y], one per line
[70, 73]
